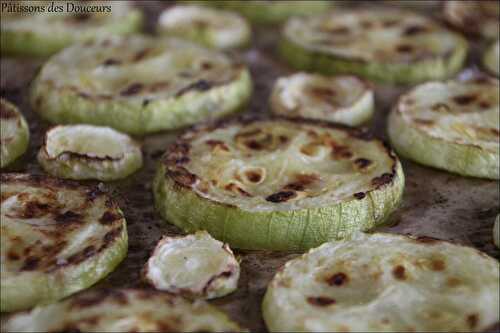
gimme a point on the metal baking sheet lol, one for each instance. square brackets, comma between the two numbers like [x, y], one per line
[436, 203]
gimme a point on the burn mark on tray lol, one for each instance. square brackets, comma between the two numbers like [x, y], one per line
[281, 196]
[321, 301]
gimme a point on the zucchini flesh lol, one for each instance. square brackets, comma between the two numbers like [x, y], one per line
[210, 27]
[387, 45]
[277, 184]
[343, 99]
[385, 283]
[57, 238]
[89, 152]
[194, 266]
[491, 59]
[14, 133]
[139, 85]
[479, 18]
[450, 125]
[123, 310]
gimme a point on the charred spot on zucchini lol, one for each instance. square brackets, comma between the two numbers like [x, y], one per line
[195, 266]
[213, 28]
[342, 99]
[387, 45]
[45, 33]
[350, 286]
[278, 184]
[14, 133]
[451, 125]
[153, 85]
[89, 152]
[123, 310]
[57, 237]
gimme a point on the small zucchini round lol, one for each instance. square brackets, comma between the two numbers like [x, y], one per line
[14, 133]
[123, 310]
[213, 28]
[342, 99]
[57, 238]
[196, 265]
[491, 59]
[385, 283]
[388, 45]
[42, 33]
[89, 152]
[273, 11]
[278, 184]
[496, 232]
[476, 18]
[139, 85]
[451, 125]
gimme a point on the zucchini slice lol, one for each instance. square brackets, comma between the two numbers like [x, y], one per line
[139, 85]
[123, 310]
[273, 11]
[278, 184]
[58, 238]
[14, 133]
[496, 232]
[342, 99]
[480, 18]
[451, 125]
[89, 152]
[385, 283]
[491, 58]
[214, 28]
[388, 45]
[196, 265]
[42, 33]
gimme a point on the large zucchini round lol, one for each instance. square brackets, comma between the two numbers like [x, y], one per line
[450, 125]
[14, 133]
[215, 28]
[139, 84]
[277, 184]
[341, 99]
[385, 283]
[274, 11]
[42, 33]
[57, 238]
[89, 152]
[123, 310]
[385, 45]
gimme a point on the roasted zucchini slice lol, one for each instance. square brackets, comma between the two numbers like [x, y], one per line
[452, 126]
[491, 58]
[385, 283]
[14, 133]
[196, 266]
[496, 232]
[273, 11]
[388, 45]
[123, 310]
[215, 28]
[57, 238]
[139, 85]
[480, 18]
[89, 152]
[277, 184]
[343, 99]
[42, 33]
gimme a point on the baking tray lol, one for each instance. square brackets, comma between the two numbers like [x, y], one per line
[435, 203]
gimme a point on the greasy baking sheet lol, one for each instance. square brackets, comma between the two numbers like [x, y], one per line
[436, 203]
